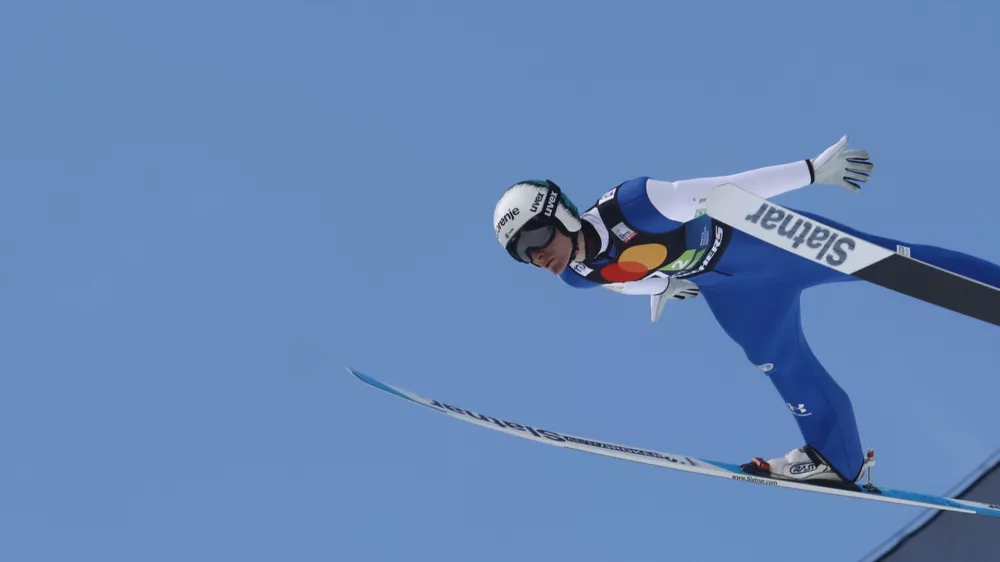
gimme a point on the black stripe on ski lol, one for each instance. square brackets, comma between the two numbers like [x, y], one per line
[936, 286]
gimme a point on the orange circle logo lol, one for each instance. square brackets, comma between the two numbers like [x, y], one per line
[635, 262]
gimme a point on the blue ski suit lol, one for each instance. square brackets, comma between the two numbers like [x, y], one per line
[645, 231]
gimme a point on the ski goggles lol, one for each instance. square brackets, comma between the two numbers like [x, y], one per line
[530, 239]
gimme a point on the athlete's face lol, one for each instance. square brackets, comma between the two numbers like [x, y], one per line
[555, 256]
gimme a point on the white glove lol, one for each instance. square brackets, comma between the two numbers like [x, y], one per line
[845, 168]
[677, 289]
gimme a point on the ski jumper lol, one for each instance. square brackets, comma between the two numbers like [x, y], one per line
[645, 231]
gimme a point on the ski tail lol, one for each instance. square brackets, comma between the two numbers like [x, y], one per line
[838, 250]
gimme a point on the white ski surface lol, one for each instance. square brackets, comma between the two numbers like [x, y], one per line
[787, 230]
[676, 462]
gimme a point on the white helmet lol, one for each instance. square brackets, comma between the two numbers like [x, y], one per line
[528, 214]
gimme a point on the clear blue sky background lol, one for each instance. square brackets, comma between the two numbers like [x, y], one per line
[209, 209]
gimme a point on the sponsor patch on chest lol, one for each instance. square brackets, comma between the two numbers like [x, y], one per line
[581, 269]
[623, 232]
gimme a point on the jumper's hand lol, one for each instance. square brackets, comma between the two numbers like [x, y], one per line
[678, 289]
[845, 168]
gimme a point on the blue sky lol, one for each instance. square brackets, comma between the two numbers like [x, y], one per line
[210, 208]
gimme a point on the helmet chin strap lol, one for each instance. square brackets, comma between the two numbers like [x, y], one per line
[591, 242]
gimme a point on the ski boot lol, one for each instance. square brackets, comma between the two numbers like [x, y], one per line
[806, 465]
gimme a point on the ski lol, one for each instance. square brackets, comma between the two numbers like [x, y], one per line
[894, 270]
[684, 463]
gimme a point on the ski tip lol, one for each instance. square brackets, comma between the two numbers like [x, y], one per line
[361, 376]
[372, 381]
